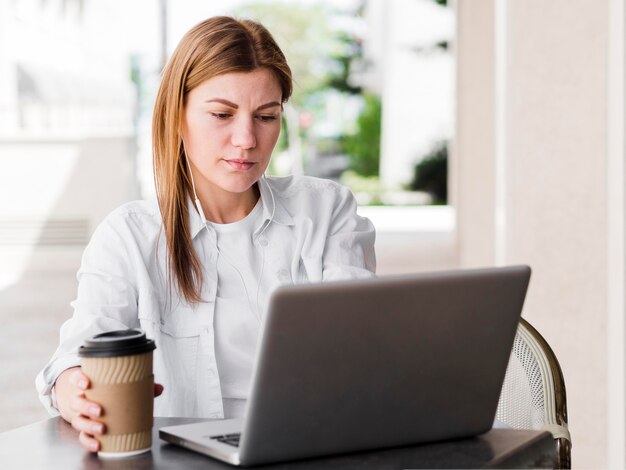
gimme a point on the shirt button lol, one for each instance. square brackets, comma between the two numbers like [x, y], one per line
[263, 242]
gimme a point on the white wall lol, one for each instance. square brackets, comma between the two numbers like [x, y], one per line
[532, 149]
[413, 239]
[472, 166]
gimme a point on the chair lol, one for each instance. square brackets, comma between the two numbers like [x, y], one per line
[533, 393]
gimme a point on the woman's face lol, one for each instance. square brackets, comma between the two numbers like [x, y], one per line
[230, 127]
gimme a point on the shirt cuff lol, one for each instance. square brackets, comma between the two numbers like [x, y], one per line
[47, 378]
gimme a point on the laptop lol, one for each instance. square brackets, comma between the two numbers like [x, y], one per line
[367, 364]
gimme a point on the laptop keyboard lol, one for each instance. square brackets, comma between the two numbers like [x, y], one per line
[230, 439]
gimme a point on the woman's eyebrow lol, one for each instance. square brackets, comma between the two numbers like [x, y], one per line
[220, 100]
[230, 104]
[271, 104]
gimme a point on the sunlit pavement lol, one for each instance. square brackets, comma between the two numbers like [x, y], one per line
[31, 312]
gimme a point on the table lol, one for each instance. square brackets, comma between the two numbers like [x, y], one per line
[53, 444]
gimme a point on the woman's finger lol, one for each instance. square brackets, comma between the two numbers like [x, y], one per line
[88, 426]
[78, 379]
[88, 442]
[79, 404]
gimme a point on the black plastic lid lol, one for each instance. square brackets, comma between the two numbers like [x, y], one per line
[117, 343]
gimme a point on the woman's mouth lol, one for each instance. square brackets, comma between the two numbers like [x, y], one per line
[240, 165]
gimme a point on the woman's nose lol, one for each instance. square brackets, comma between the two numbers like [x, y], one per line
[243, 134]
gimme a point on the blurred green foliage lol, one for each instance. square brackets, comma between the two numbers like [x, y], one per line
[348, 53]
[362, 184]
[363, 147]
[431, 173]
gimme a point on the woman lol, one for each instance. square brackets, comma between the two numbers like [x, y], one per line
[196, 270]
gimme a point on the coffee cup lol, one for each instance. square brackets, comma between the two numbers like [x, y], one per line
[119, 367]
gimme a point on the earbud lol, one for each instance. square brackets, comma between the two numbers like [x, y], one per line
[200, 210]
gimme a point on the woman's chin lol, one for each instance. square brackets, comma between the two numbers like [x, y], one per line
[239, 187]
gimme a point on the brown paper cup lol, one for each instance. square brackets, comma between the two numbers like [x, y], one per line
[124, 387]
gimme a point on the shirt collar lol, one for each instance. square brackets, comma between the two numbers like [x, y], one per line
[273, 210]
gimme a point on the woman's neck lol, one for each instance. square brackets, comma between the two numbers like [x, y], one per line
[226, 208]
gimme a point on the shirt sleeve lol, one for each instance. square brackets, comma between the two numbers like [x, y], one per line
[106, 301]
[349, 248]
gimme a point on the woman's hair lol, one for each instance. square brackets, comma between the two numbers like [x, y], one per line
[216, 46]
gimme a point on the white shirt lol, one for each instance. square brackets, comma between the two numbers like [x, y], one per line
[310, 233]
[237, 318]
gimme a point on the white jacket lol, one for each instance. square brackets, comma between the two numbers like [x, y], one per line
[311, 233]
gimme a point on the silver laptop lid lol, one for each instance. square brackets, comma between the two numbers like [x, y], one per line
[355, 365]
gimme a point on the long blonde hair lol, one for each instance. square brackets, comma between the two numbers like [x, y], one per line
[216, 46]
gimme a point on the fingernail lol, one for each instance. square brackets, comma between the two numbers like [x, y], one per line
[93, 446]
[94, 410]
[82, 383]
[96, 428]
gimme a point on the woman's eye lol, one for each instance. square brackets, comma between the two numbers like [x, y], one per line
[267, 117]
[221, 115]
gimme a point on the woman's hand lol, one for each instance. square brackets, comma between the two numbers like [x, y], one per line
[78, 411]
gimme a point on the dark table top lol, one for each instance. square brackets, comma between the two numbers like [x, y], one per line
[53, 444]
